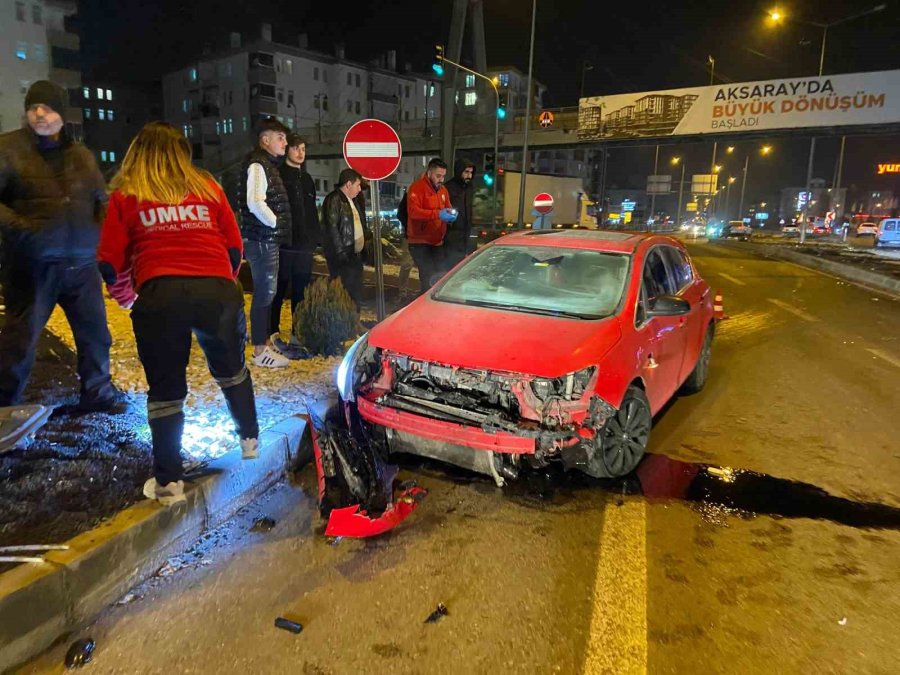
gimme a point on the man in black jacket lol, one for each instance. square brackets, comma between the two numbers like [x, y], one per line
[296, 256]
[265, 226]
[343, 232]
[456, 241]
[52, 200]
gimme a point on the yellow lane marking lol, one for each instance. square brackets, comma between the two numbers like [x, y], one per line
[732, 279]
[883, 355]
[793, 310]
[617, 642]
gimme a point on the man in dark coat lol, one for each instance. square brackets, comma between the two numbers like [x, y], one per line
[461, 189]
[52, 201]
[344, 233]
[296, 256]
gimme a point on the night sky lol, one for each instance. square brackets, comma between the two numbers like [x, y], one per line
[655, 44]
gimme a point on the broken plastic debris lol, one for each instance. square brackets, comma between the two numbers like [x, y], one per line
[353, 522]
[263, 524]
[80, 653]
[438, 613]
[843, 622]
[287, 624]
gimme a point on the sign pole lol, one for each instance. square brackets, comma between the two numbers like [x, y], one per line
[376, 240]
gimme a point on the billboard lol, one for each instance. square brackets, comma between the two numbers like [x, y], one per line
[659, 185]
[803, 102]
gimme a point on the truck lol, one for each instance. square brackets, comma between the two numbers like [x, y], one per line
[571, 206]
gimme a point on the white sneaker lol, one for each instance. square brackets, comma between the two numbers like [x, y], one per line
[168, 494]
[270, 358]
[249, 448]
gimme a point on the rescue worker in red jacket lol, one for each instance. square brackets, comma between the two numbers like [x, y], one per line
[429, 210]
[170, 228]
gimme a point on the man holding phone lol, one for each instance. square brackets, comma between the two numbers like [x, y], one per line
[429, 210]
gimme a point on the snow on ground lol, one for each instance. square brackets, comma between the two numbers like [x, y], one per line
[209, 431]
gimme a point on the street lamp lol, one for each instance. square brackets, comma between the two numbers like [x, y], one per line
[776, 16]
[675, 162]
[764, 151]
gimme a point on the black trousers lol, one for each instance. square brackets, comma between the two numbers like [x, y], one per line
[430, 261]
[294, 270]
[168, 311]
[32, 289]
[350, 272]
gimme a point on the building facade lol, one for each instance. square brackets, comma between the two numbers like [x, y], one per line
[37, 42]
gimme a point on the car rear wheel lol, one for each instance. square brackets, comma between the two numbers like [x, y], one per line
[697, 379]
[626, 434]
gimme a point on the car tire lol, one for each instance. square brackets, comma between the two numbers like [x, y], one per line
[697, 379]
[625, 434]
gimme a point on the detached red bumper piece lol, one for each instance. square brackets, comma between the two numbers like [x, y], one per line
[353, 522]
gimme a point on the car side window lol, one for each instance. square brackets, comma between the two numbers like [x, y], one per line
[657, 279]
[680, 267]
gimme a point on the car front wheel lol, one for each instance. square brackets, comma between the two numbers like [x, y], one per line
[625, 436]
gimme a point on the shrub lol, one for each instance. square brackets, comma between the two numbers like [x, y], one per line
[326, 318]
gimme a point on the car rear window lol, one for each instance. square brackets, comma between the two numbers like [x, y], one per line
[541, 280]
[890, 226]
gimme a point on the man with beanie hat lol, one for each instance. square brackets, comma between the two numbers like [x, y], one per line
[52, 201]
[460, 189]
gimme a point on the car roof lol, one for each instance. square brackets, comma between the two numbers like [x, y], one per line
[594, 240]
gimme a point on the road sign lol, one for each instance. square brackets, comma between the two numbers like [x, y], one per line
[546, 119]
[659, 185]
[372, 148]
[691, 207]
[543, 203]
[704, 183]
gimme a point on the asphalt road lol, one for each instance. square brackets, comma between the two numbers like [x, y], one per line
[573, 577]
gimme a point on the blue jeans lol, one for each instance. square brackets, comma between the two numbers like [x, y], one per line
[263, 259]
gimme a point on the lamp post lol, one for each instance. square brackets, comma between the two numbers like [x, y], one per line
[521, 219]
[675, 162]
[764, 150]
[777, 16]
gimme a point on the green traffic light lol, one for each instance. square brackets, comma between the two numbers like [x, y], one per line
[438, 69]
[488, 179]
[501, 113]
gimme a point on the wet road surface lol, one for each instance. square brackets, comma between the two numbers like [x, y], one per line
[761, 535]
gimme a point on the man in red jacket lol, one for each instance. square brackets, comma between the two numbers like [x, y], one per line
[429, 210]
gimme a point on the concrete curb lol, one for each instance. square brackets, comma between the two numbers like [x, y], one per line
[849, 272]
[40, 603]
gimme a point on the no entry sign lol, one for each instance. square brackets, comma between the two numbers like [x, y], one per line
[543, 203]
[372, 148]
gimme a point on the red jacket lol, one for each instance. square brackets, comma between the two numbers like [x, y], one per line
[423, 203]
[191, 239]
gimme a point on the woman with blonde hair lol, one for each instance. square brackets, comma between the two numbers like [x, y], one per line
[170, 229]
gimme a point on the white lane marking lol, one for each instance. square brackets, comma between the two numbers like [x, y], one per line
[617, 642]
[887, 357]
[793, 310]
[732, 279]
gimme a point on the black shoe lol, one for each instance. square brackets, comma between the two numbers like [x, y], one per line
[116, 404]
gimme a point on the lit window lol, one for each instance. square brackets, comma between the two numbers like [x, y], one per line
[87, 113]
[110, 116]
[103, 155]
[22, 51]
[289, 66]
[316, 73]
[471, 98]
[109, 94]
[504, 79]
[218, 127]
[112, 155]
[187, 131]
[244, 123]
[193, 74]
[86, 92]
[20, 11]
[100, 93]
[101, 114]
[39, 54]
[470, 80]
[37, 15]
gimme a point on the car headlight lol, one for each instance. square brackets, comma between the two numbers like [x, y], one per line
[569, 386]
[346, 372]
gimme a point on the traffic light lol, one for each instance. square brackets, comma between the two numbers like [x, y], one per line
[490, 166]
[501, 110]
[438, 65]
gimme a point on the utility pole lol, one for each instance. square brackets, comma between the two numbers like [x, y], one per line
[653, 194]
[525, 162]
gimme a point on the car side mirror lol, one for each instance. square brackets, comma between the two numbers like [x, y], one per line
[668, 305]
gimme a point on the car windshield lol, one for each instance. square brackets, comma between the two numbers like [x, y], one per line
[565, 282]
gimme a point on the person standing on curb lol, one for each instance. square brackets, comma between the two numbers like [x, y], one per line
[265, 225]
[343, 232]
[170, 228]
[456, 243]
[52, 199]
[429, 210]
[295, 261]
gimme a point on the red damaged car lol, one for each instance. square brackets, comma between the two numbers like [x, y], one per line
[543, 346]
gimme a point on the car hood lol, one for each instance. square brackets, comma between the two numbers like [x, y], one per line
[497, 340]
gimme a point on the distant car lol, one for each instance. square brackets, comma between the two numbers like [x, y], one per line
[867, 229]
[737, 229]
[542, 347]
[888, 233]
[790, 230]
